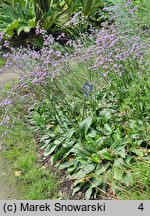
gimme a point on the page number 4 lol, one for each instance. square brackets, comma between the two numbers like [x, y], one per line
[141, 207]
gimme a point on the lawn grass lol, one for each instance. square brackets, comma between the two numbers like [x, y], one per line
[140, 189]
[20, 149]
[2, 62]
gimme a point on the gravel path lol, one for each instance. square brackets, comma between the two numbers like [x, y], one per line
[7, 77]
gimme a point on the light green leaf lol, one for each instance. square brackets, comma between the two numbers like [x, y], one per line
[70, 133]
[49, 150]
[101, 168]
[32, 23]
[86, 170]
[97, 181]
[119, 162]
[92, 133]
[89, 193]
[107, 129]
[95, 158]
[59, 154]
[106, 115]
[90, 6]
[121, 151]
[128, 179]
[68, 2]
[118, 173]
[68, 144]
[46, 142]
[138, 152]
[65, 165]
[57, 142]
[76, 189]
[85, 125]
[71, 169]
[100, 141]
[11, 27]
[105, 154]
[49, 21]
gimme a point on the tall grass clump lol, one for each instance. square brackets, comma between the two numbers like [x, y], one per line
[92, 108]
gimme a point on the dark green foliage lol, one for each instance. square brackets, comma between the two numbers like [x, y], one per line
[22, 15]
[17, 17]
[102, 143]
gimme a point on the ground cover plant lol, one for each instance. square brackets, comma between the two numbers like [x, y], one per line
[91, 105]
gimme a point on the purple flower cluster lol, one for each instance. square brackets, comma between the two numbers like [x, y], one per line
[6, 102]
[5, 120]
[113, 50]
[110, 51]
[40, 31]
[33, 64]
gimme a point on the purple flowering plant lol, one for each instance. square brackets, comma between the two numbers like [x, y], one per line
[89, 131]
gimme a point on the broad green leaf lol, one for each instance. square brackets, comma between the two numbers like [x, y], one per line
[11, 27]
[121, 151]
[57, 142]
[59, 154]
[139, 152]
[49, 150]
[105, 154]
[70, 133]
[76, 189]
[68, 2]
[23, 28]
[101, 168]
[49, 21]
[76, 182]
[117, 136]
[32, 23]
[89, 193]
[128, 159]
[90, 5]
[97, 181]
[65, 165]
[100, 141]
[95, 158]
[71, 169]
[118, 173]
[107, 129]
[119, 162]
[86, 170]
[106, 115]
[46, 142]
[128, 179]
[82, 160]
[73, 6]
[84, 126]
[80, 149]
[92, 133]
[45, 137]
[68, 144]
